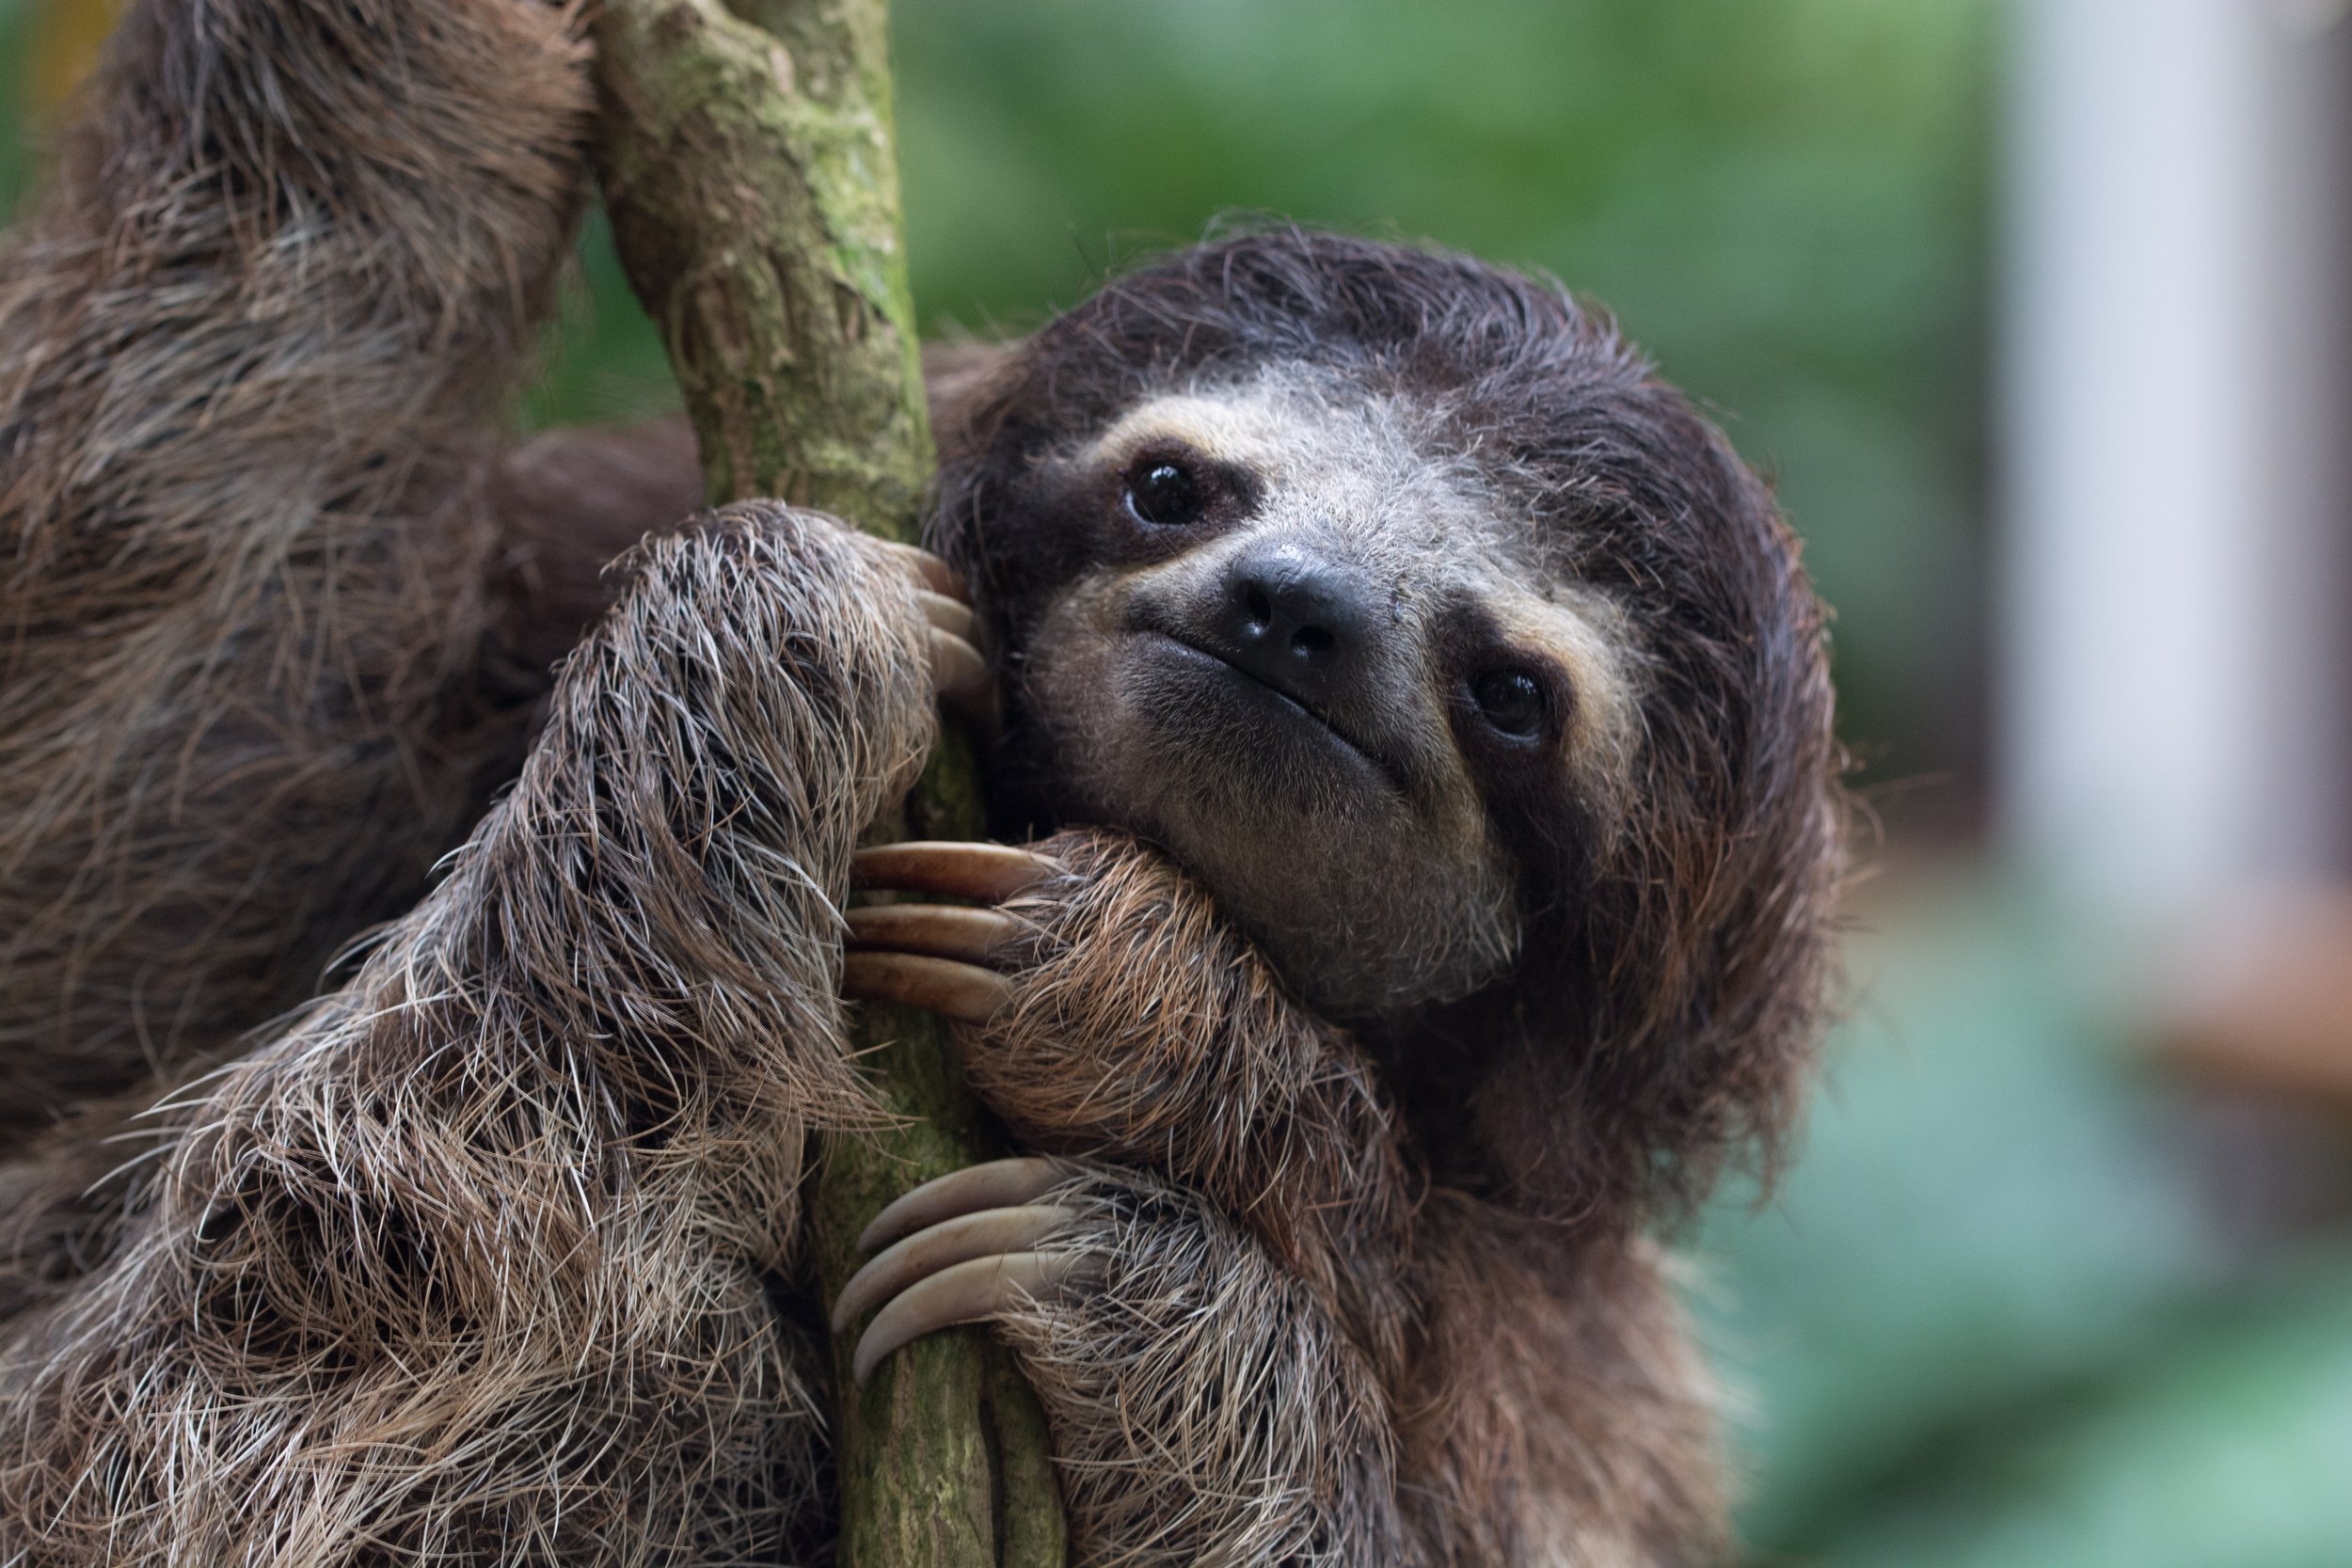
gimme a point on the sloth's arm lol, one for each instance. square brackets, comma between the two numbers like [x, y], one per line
[1220, 1352]
[466, 1262]
[1556, 1408]
[255, 343]
[1108, 1011]
[1206, 1406]
[1472, 1388]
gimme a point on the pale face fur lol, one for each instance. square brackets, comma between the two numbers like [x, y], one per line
[1344, 821]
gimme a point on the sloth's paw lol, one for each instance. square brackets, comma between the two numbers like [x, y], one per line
[1088, 1266]
[945, 958]
[973, 1247]
[1102, 1005]
[1205, 1407]
[959, 671]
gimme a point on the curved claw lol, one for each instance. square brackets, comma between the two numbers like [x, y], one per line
[942, 930]
[986, 872]
[966, 1292]
[956, 668]
[995, 1184]
[952, 616]
[964, 992]
[932, 572]
[957, 1241]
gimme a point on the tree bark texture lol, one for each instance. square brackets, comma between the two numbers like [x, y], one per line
[749, 167]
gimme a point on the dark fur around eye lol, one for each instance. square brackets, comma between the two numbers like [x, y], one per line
[1513, 701]
[1166, 492]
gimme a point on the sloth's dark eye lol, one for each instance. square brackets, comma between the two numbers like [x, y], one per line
[1165, 492]
[1510, 700]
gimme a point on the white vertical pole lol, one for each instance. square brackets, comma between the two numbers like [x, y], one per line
[2172, 406]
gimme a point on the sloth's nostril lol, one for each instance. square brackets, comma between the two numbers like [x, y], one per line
[1260, 610]
[1302, 622]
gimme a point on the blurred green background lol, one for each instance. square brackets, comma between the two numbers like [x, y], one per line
[2022, 1305]
[1784, 201]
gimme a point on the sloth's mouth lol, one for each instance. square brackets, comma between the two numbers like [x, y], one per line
[1270, 701]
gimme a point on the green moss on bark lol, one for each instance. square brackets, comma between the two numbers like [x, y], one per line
[749, 167]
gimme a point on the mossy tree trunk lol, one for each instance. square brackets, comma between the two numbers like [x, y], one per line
[749, 167]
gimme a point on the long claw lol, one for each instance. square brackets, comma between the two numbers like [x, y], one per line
[952, 616]
[995, 1184]
[942, 930]
[956, 668]
[967, 1292]
[957, 1241]
[987, 873]
[932, 572]
[966, 993]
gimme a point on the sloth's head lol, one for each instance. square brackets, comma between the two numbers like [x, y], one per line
[1396, 597]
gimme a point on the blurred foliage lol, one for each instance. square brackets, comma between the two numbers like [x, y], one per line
[19, 80]
[2233, 1452]
[1784, 199]
[1992, 1321]
[605, 363]
[1996, 1319]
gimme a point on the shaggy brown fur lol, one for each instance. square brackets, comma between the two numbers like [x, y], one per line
[253, 348]
[1428, 1227]
[1298, 1356]
[469, 1261]
[491, 1253]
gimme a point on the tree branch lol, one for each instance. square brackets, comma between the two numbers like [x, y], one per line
[751, 174]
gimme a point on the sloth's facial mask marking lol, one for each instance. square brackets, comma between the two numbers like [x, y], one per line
[1312, 647]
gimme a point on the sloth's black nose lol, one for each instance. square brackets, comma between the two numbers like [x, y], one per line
[1296, 621]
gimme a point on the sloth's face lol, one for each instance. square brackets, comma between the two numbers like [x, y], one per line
[1305, 648]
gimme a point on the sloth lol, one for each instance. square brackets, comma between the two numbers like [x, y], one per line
[1421, 817]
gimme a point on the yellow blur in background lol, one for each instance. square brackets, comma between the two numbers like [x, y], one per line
[64, 43]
